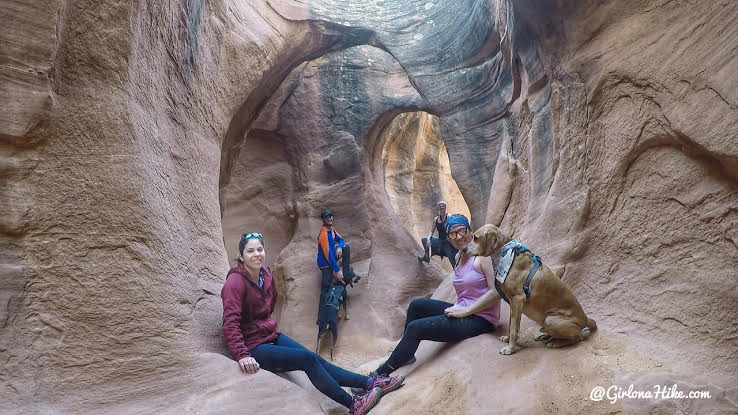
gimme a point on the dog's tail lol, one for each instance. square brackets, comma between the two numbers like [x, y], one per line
[591, 326]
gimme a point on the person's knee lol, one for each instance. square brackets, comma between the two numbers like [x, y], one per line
[416, 305]
[412, 330]
[308, 360]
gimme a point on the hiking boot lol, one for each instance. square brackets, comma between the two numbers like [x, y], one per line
[424, 258]
[387, 384]
[362, 404]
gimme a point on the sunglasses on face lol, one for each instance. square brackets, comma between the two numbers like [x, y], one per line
[251, 235]
[456, 234]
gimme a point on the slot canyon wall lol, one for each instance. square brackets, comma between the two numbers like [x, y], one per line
[139, 139]
[418, 173]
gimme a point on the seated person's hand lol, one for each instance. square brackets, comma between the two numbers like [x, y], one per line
[338, 276]
[249, 365]
[456, 311]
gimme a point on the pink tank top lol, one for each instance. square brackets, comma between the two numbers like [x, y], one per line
[471, 284]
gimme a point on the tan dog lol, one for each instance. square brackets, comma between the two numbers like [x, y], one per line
[551, 304]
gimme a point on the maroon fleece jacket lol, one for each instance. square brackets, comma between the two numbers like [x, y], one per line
[247, 312]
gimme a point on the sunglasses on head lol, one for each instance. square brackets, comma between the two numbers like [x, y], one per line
[251, 235]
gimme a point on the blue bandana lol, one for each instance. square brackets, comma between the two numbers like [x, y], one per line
[455, 220]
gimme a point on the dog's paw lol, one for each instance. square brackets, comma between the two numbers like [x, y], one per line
[540, 337]
[507, 350]
[505, 339]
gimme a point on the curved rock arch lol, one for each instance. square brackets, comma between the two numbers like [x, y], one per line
[111, 230]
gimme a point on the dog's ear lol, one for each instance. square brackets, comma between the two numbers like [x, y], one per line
[496, 239]
[487, 240]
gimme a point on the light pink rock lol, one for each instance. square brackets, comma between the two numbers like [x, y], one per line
[601, 135]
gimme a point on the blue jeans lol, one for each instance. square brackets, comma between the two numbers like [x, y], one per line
[326, 276]
[426, 321]
[286, 355]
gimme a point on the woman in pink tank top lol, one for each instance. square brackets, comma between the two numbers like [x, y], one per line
[476, 310]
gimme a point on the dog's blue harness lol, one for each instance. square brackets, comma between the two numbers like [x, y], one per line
[526, 286]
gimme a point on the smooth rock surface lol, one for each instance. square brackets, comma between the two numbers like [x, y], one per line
[138, 140]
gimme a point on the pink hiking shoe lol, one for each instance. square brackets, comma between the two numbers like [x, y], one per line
[387, 384]
[363, 404]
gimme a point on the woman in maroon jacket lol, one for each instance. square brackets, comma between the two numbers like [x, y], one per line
[251, 334]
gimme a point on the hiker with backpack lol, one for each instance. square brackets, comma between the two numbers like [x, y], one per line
[249, 295]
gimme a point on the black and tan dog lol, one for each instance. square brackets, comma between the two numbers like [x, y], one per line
[328, 316]
[551, 304]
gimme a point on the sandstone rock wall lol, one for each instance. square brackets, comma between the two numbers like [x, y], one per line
[643, 182]
[601, 133]
[112, 237]
[418, 173]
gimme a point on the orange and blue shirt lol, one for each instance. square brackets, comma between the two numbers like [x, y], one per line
[328, 241]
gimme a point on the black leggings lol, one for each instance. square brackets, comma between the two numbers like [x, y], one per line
[442, 248]
[426, 321]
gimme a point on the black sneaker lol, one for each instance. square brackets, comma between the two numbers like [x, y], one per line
[375, 374]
